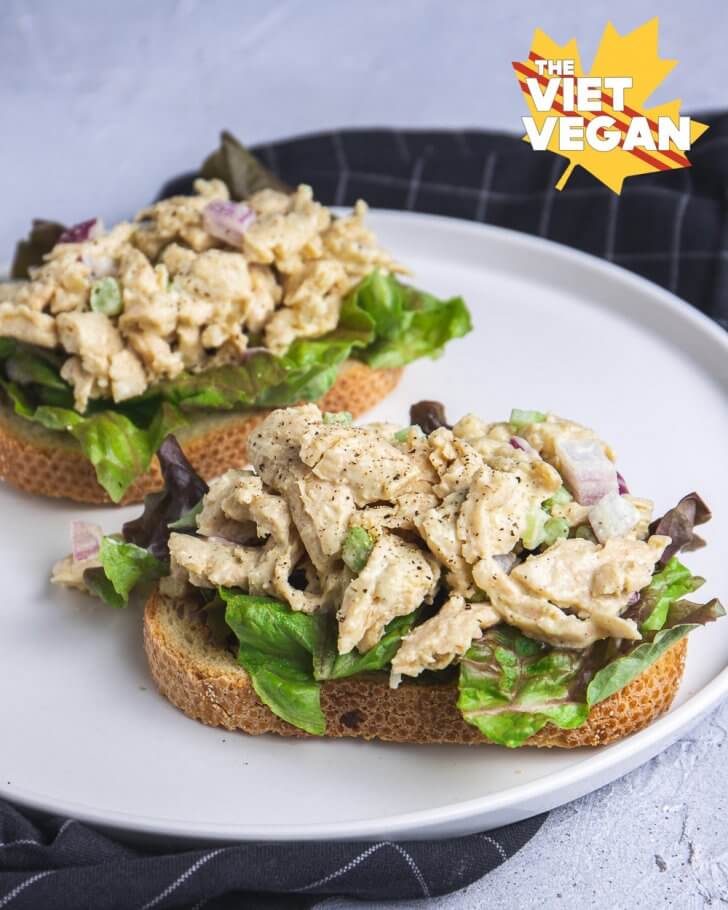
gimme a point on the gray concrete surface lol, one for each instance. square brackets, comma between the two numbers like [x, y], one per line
[101, 101]
[656, 838]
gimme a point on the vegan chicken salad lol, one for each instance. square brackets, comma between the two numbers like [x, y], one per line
[245, 295]
[507, 560]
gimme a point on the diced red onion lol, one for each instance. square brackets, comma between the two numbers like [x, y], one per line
[227, 221]
[84, 230]
[633, 599]
[100, 266]
[518, 442]
[622, 484]
[506, 561]
[612, 516]
[588, 473]
[85, 540]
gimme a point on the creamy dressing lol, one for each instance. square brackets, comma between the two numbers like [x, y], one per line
[189, 300]
[445, 514]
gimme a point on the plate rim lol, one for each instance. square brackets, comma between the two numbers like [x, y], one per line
[599, 762]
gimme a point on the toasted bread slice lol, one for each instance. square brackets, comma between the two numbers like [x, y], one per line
[205, 682]
[50, 463]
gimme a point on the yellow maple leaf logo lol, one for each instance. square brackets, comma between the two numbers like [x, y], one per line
[635, 56]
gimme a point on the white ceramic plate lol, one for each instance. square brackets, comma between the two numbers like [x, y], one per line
[84, 733]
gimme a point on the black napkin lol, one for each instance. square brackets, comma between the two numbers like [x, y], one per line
[670, 227]
[62, 864]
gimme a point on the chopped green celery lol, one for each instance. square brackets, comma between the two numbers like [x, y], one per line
[356, 548]
[123, 567]
[560, 498]
[521, 418]
[554, 529]
[404, 434]
[106, 297]
[342, 417]
[584, 532]
[533, 536]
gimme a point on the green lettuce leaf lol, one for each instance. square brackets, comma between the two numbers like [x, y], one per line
[405, 323]
[276, 648]
[19, 399]
[31, 376]
[685, 611]
[8, 346]
[681, 618]
[187, 521]
[118, 449]
[29, 366]
[667, 586]
[55, 418]
[288, 654]
[124, 566]
[306, 372]
[510, 686]
[329, 664]
[617, 674]
[239, 168]
[271, 626]
[286, 689]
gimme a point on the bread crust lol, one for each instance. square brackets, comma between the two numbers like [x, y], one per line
[207, 684]
[49, 463]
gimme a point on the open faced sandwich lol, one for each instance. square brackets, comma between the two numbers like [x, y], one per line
[197, 317]
[486, 582]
